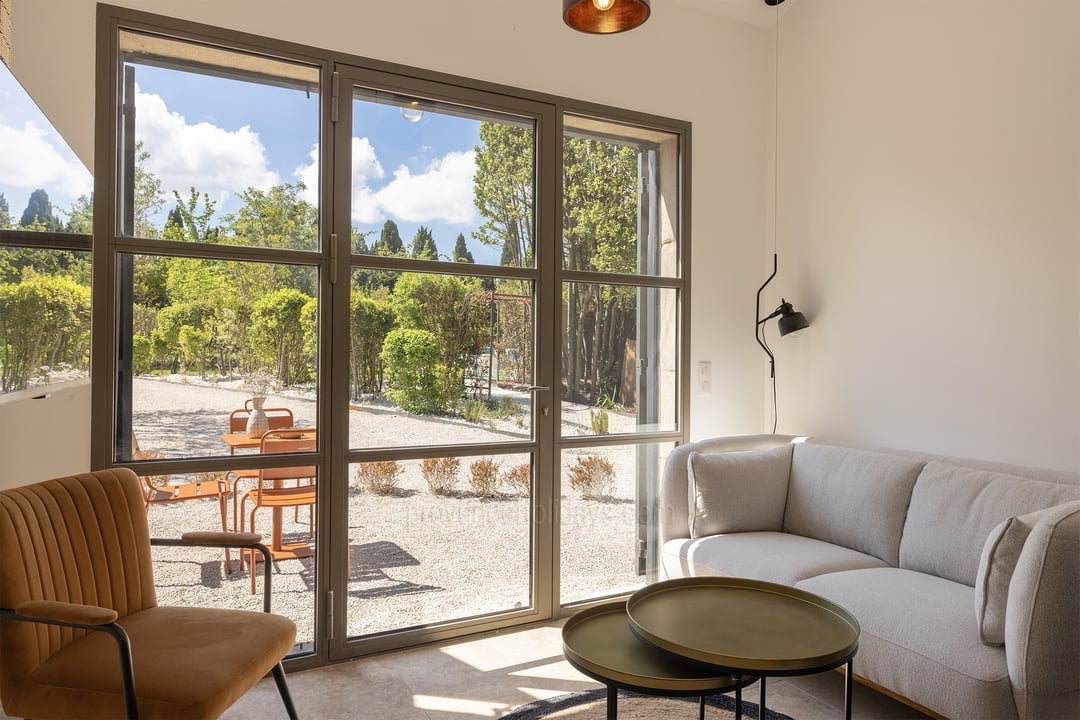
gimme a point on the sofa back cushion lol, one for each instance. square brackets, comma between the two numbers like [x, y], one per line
[953, 510]
[851, 497]
[737, 491]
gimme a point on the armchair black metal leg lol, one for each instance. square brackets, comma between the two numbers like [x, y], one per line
[283, 690]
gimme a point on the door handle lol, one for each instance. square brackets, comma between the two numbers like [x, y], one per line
[531, 388]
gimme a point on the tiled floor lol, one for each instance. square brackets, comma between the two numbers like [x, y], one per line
[488, 677]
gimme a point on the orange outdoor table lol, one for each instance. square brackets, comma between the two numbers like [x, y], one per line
[278, 549]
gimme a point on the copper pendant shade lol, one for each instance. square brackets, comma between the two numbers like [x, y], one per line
[605, 16]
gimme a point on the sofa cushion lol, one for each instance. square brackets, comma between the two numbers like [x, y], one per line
[850, 497]
[953, 509]
[919, 638]
[996, 565]
[774, 557]
[737, 491]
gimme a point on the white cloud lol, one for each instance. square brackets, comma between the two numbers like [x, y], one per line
[209, 158]
[365, 167]
[442, 192]
[30, 160]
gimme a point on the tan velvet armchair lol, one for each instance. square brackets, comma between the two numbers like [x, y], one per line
[81, 633]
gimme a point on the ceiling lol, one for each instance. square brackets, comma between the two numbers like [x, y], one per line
[755, 12]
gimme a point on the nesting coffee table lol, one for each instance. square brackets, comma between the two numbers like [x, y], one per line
[599, 643]
[704, 635]
[746, 626]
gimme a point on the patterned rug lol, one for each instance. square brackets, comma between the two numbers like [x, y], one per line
[592, 705]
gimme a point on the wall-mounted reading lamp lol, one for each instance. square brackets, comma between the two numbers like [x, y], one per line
[790, 321]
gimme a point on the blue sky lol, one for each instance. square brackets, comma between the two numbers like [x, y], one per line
[222, 135]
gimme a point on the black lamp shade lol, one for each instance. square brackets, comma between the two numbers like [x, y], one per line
[790, 320]
[621, 15]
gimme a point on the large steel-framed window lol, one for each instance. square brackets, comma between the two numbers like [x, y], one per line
[568, 342]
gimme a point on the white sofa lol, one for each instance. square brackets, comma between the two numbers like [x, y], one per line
[964, 575]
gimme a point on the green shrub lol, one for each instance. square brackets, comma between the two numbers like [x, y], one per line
[484, 477]
[598, 419]
[142, 354]
[592, 476]
[379, 477]
[473, 410]
[418, 383]
[440, 474]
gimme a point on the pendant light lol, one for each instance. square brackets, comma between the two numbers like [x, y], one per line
[605, 16]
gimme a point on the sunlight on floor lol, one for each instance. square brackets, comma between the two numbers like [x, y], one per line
[479, 708]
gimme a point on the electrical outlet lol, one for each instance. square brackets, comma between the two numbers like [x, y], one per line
[704, 373]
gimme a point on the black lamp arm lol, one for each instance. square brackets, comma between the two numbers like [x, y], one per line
[758, 322]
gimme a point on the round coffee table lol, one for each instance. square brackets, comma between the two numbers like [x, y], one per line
[746, 626]
[599, 643]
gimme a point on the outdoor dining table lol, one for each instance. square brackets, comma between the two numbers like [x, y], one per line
[278, 549]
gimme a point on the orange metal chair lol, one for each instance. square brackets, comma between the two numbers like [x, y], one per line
[157, 489]
[79, 617]
[271, 489]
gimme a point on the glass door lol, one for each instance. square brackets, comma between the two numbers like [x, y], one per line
[444, 515]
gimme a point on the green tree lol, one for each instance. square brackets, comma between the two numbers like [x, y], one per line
[81, 216]
[503, 191]
[149, 199]
[44, 321]
[600, 201]
[165, 340]
[194, 226]
[454, 310]
[278, 336]
[423, 245]
[389, 242]
[371, 319]
[461, 251]
[38, 214]
[5, 213]
[275, 218]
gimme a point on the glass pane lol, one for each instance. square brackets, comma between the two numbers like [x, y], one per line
[43, 185]
[44, 317]
[609, 519]
[221, 146]
[208, 577]
[620, 199]
[204, 340]
[620, 359]
[436, 181]
[438, 539]
[439, 360]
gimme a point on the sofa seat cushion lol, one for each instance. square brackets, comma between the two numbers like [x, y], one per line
[236, 648]
[919, 638]
[770, 556]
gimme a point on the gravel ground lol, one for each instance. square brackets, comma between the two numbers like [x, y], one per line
[415, 557]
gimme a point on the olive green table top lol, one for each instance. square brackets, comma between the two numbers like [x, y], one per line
[744, 625]
[599, 642]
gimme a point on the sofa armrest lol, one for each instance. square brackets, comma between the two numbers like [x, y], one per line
[1042, 618]
[674, 506]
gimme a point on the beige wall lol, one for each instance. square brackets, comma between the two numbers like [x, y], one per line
[930, 225]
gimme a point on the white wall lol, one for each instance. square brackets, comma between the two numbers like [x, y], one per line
[930, 225]
[44, 433]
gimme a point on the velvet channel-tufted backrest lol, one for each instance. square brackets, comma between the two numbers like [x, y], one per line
[79, 539]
